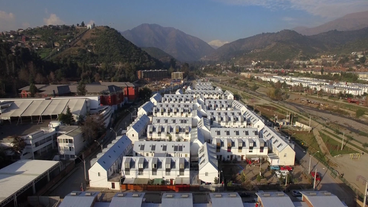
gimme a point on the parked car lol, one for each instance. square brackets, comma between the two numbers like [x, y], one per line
[296, 193]
[288, 168]
[318, 177]
[274, 167]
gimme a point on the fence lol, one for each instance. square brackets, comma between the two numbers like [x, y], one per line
[142, 187]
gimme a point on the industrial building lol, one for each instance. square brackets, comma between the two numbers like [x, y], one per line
[24, 178]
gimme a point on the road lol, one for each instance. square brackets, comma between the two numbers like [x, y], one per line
[328, 182]
[75, 180]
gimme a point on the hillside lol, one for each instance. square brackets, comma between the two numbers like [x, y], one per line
[278, 46]
[178, 44]
[354, 21]
[107, 53]
[336, 38]
[158, 54]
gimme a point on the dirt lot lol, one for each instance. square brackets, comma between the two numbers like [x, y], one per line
[349, 167]
[245, 175]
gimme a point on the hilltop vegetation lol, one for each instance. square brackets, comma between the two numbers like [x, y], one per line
[59, 54]
[102, 53]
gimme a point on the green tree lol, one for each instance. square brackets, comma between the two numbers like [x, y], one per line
[145, 94]
[359, 113]
[18, 144]
[93, 127]
[82, 24]
[81, 89]
[322, 70]
[216, 180]
[365, 145]
[362, 60]
[32, 89]
[66, 118]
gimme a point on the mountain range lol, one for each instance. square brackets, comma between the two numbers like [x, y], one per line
[176, 43]
[289, 45]
[353, 21]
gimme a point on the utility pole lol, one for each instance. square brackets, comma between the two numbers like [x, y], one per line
[309, 120]
[315, 178]
[342, 141]
[286, 177]
[365, 193]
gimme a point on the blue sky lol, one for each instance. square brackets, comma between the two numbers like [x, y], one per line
[225, 20]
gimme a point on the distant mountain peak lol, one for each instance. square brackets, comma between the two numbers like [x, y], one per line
[217, 43]
[176, 43]
[349, 22]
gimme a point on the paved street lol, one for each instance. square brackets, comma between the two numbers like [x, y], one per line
[328, 183]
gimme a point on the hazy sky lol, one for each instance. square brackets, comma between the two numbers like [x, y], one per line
[225, 20]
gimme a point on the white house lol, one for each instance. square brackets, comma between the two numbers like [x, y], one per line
[253, 120]
[228, 95]
[161, 149]
[70, 144]
[282, 150]
[229, 118]
[136, 130]
[173, 169]
[208, 164]
[146, 109]
[156, 98]
[105, 170]
[39, 143]
[167, 132]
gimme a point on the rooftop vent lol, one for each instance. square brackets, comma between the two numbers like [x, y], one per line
[280, 194]
[327, 193]
[233, 195]
[266, 194]
[135, 195]
[120, 195]
[185, 196]
[74, 193]
[218, 195]
[312, 193]
[169, 195]
[88, 194]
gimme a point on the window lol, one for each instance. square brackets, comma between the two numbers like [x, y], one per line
[113, 185]
[167, 172]
[154, 172]
[98, 174]
[70, 140]
[140, 172]
[181, 172]
[285, 155]
[127, 172]
[206, 174]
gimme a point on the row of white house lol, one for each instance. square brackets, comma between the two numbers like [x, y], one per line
[355, 89]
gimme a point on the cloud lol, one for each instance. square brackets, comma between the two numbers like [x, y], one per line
[53, 20]
[322, 8]
[288, 19]
[7, 21]
[4, 16]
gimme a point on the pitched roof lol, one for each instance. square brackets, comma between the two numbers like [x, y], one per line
[114, 152]
[207, 154]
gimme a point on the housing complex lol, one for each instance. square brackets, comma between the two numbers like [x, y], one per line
[356, 89]
[180, 138]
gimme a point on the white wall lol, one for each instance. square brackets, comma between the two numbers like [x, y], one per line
[208, 173]
[98, 177]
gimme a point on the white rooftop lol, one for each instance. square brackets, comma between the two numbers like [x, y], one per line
[21, 173]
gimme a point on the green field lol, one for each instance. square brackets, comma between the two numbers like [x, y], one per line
[334, 146]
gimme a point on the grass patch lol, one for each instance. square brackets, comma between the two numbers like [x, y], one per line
[334, 146]
[305, 139]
